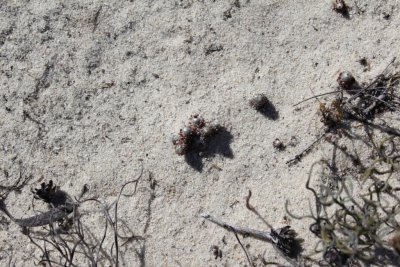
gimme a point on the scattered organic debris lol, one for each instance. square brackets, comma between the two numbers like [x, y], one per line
[195, 134]
[354, 229]
[346, 80]
[303, 153]
[73, 243]
[284, 239]
[358, 227]
[363, 103]
[62, 205]
[331, 115]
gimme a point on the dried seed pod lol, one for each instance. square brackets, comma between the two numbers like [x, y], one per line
[196, 121]
[339, 6]
[346, 80]
[278, 144]
[258, 102]
[186, 132]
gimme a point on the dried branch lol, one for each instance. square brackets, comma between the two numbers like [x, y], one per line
[283, 239]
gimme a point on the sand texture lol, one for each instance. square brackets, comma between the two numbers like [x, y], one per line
[91, 91]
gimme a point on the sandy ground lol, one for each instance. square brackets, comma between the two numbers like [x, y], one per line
[90, 90]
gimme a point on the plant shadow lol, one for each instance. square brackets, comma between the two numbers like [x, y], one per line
[269, 111]
[219, 145]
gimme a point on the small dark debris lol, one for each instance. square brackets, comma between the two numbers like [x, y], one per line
[261, 103]
[278, 144]
[363, 61]
[386, 16]
[258, 102]
[340, 7]
[334, 256]
[224, 240]
[213, 48]
[227, 14]
[217, 252]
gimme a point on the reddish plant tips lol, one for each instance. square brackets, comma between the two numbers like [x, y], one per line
[196, 132]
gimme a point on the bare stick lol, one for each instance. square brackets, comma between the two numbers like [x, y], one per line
[283, 239]
[240, 230]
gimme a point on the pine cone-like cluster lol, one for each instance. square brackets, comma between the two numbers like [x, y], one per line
[196, 132]
[51, 194]
[286, 242]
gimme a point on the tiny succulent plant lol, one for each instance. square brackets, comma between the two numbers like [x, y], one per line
[197, 130]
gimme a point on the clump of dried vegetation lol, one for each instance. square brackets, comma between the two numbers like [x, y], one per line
[69, 240]
[356, 208]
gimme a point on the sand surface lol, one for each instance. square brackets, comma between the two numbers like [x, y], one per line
[92, 90]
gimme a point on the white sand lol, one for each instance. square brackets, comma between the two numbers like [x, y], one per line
[117, 91]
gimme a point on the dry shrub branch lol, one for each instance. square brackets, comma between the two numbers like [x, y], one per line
[356, 210]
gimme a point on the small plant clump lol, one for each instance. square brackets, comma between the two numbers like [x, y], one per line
[340, 7]
[195, 134]
[363, 103]
[368, 100]
[259, 102]
[354, 102]
[331, 115]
